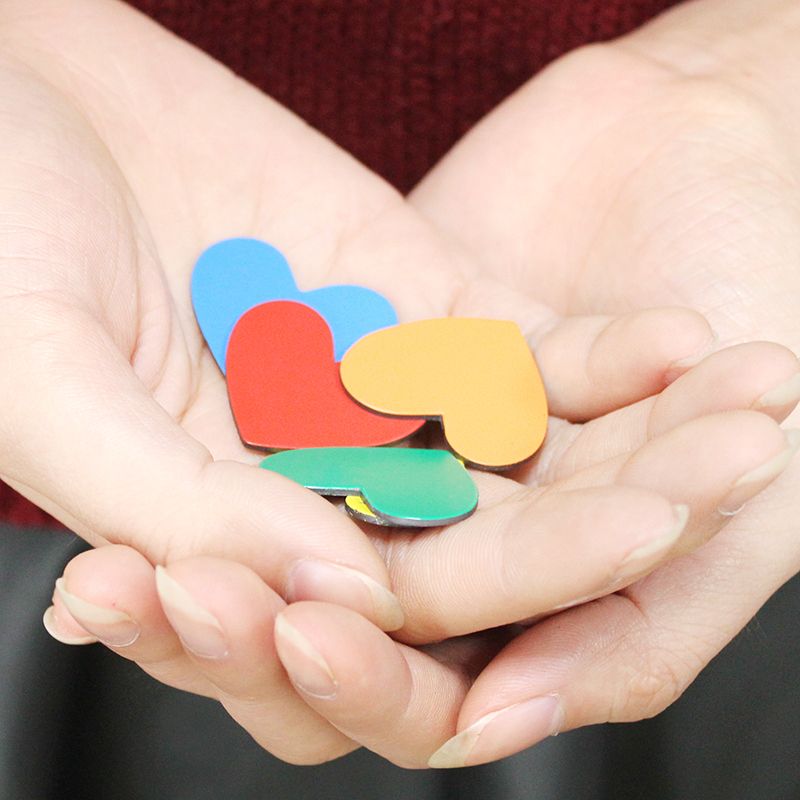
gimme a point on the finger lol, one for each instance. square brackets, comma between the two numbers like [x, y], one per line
[628, 656]
[599, 363]
[529, 555]
[110, 593]
[225, 616]
[395, 700]
[63, 627]
[762, 376]
[753, 448]
[541, 549]
[594, 364]
[758, 375]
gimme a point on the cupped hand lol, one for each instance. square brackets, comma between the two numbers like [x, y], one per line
[659, 169]
[181, 154]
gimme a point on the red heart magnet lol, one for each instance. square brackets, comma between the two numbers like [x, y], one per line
[284, 385]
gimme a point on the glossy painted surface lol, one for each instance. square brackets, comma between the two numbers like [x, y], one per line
[478, 376]
[284, 385]
[235, 275]
[402, 486]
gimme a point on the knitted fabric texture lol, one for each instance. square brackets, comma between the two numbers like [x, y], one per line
[394, 83]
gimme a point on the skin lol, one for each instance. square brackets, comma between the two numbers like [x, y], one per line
[131, 173]
[678, 155]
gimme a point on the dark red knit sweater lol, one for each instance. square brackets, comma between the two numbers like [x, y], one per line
[395, 83]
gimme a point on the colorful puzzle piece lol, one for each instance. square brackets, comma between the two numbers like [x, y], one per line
[402, 486]
[235, 275]
[477, 375]
[284, 385]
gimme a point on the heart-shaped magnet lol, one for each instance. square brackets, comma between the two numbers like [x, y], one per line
[235, 275]
[284, 385]
[401, 486]
[477, 375]
[356, 507]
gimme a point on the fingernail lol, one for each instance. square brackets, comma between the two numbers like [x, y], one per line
[110, 625]
[50, 622]
[751, 483]
[345, 586]
[678, 367]
[501, 733]
[307, 669]
[197, 628]
[786, 393]
[646, 553]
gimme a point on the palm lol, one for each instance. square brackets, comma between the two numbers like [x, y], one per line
[178, 164]
[623, 184]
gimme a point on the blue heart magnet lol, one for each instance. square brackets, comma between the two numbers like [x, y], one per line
[234, 275]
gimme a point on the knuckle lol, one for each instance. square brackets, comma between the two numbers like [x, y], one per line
[166, 548]
[654, 677]
[185, 518]
[650, 689]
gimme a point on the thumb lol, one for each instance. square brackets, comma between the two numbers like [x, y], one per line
[84, 438]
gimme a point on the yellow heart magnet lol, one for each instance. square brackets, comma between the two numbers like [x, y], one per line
[477, 376]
